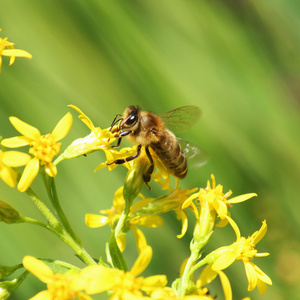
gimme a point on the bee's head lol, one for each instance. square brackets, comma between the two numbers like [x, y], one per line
[130, 118]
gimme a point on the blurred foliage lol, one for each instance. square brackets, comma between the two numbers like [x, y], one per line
[237, 60]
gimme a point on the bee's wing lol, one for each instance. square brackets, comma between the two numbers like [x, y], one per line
[181, 119]
[196, 156]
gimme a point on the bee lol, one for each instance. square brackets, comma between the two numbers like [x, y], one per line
[150, 130]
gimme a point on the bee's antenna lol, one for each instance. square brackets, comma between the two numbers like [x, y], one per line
[115, 120]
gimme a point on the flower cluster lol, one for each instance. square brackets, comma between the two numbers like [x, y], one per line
[209, 208]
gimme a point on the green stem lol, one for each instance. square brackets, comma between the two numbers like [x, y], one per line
[52, 193]
[56, 228]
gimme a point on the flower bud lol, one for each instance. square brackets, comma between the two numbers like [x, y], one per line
[8, 214]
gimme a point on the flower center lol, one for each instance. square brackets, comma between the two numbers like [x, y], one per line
[45, 148]
[246, 249]
[60, 288]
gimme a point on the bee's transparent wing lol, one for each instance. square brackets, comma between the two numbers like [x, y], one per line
[181, 119]
[196, 156]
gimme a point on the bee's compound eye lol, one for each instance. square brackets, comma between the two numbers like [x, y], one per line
[131, 120]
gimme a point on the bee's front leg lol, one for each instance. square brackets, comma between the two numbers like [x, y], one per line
[129, 158]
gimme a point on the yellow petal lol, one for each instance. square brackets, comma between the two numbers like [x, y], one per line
[152, 282]
[84, 118]
[251, 275]
[51, 170]
[99, 278]
[150, 221]
[224, 261]
[44, 295]
[25, 129]
[262, 275]
[63, 127]
[181, 215]
[142, 261]
[29, 174]
[235, 227]
[226, 285]
[16, 52]
[258, 235]
[242, 198]
[207, 276]
[15, 142]
[38, 268]
[15, 158]
[9, 176]
[139, 239]
[121, 242]
[95, 221]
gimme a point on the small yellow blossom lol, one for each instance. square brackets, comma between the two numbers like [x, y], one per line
[7, 161]
[244, 250]
[123, 284]
[67, 286]
[43, 147]
[111, 217]
[98, 139]
[169, 202]
[7, 49]
[217, 200]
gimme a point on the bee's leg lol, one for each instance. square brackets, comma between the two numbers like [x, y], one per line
[119, 136]
[147, 174]
[129, 158]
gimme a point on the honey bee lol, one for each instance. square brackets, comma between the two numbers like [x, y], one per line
[149, 130]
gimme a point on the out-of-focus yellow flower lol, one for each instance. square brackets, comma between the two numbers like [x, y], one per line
[43, 148]
[244, 250]
[112, 215]
[122, 284]
[7, 49]
[67, 286]
[7, 161]
[217, 200]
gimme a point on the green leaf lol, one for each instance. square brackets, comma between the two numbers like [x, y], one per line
[115, 254]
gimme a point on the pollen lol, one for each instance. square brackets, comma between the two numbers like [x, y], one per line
[45, 148]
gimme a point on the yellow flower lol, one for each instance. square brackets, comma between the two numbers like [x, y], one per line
[111, 217]
[217, 200]
[7, 49]
[244, 250]
[43, 147]
[100, 278]
[171, 201]
[67, 286]
[98, 139]
[7, 161]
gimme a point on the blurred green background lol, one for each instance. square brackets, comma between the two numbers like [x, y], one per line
[237, 60]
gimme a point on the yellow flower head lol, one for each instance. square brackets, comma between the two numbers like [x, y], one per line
[111, 216]
[169, 202]
[7, 49]
[98, 139]
[67, 286]
[99, 279]
[43, 147]
[217, 201]
[244, 250]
